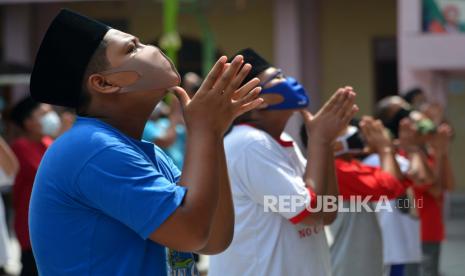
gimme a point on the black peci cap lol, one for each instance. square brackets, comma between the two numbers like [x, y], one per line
[63, 56]
[259, 64]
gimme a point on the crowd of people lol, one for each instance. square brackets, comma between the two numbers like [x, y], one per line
[92, 195]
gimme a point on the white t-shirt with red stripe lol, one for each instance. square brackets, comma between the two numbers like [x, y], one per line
[400, 232]
[269, 243]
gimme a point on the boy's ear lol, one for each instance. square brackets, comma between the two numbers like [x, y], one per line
[113, 82]
[99, 83]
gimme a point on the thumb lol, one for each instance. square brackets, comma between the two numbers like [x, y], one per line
[306, 114]
[181, 94]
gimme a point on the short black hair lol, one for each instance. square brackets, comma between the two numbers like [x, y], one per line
[259, 64]
[98, 63]
[23, 110]
[383, 106]
[392, 121]
[412, 93]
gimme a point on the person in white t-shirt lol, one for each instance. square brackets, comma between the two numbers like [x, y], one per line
[268, 173]
[401, 230]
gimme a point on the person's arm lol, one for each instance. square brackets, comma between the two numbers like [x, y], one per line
[332, 188]
[207, 117]
[322, 129]
[378, 140]
[449, 181]
[222, 229]
[8, 161]
[440, 145]
[419, 170]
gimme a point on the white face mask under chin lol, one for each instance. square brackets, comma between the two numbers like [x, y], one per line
[50, 123]
[343, 141]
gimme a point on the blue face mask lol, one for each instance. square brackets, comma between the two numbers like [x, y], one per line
[293, 93]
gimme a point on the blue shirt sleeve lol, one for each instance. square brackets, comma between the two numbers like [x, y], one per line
[173, 168]
[121, 183]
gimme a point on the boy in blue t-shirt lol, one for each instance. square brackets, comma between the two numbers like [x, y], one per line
[106, 203]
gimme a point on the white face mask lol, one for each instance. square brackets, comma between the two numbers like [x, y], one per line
[50, 123]
[350, 142]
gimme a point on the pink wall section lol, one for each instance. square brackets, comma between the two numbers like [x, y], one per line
[425, 59]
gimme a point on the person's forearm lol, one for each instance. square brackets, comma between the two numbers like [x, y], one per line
[449, 183]
[317, 172]
[419, 171]
[8, 161]
[332, 188]
[439, 175]
[317, 166]
[200, 176]
[222, 229]
[389, 163]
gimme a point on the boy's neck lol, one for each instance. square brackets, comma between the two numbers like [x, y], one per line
[128, 117]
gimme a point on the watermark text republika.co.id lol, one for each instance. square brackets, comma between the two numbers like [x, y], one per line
[328, 203]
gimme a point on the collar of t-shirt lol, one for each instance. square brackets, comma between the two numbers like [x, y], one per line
[146, 147]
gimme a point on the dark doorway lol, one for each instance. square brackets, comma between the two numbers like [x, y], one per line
[385, 67]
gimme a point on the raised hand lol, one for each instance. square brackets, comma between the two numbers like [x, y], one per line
[375, 134]
[219, 99]
[332, 118]
[409, 138]
[441, 140]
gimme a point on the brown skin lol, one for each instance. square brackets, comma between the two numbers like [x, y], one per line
[442, 170]
[410, 141]
[322, 130]
[195, 225]
[67, 120]
[439, 174]
[378, 140]
[8, 161]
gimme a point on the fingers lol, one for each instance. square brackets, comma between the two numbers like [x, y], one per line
[368, 127]
[238, 79]
[182, 96]
[228, 74]
[306, 115]
[249, 106]
[405, 123]
[351, 114]
[214, 74]
[345, 102]
[334, 100]
[347, 107]
[248, 102]
[246, 88]
[338, 102]
[365, 128]
[249, 97]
